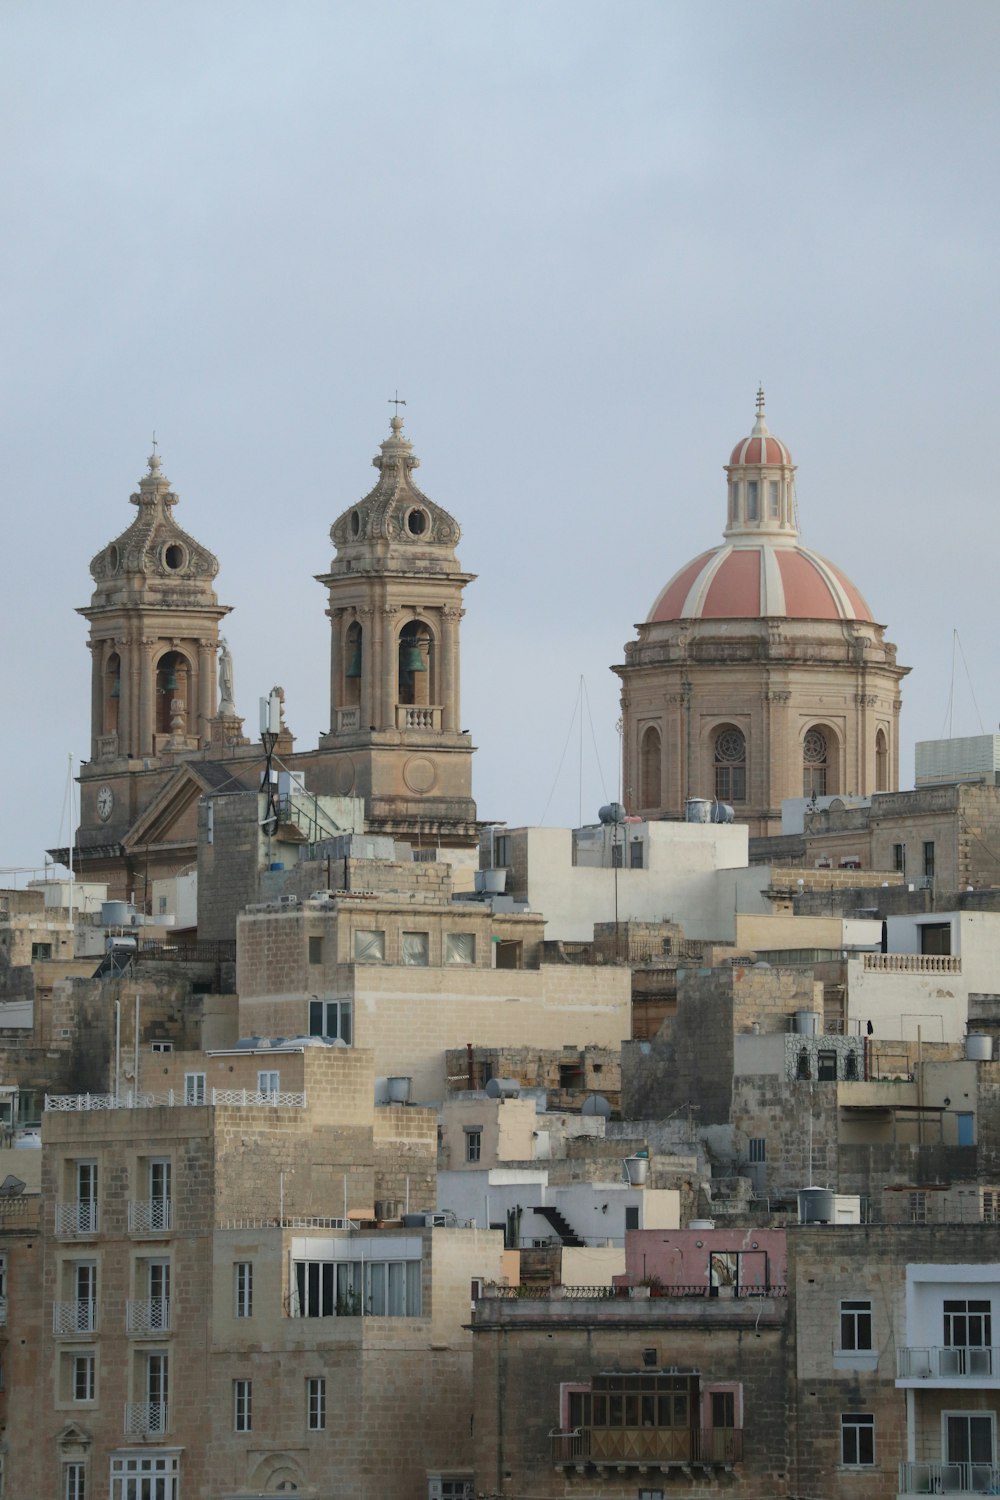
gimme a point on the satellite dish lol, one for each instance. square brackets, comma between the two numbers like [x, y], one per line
[11, 1187]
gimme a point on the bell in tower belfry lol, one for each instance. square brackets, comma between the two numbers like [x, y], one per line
[395, 603]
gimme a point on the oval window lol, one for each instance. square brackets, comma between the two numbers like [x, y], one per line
[173, 556]
[416, 522]
[114, 558]
[355, 523]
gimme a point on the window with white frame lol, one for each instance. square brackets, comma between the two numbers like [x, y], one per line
[369, 947]
[856, 1324]
[857, 1439]
[161, 1046]
[243, 1288]
[268, 1081]
[331, 1019]
[242, 1405]
[460, 948]
[968, 1324]
[316, 1403]
[380, 1289]
[74, 1482]
[84, 1376]
[194, 1088]
[140, 1476]
[918, 1208]
[449, 1487]
[415, 948]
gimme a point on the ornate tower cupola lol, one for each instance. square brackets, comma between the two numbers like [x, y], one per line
[395, 602]
[761, 486]
[154, 627]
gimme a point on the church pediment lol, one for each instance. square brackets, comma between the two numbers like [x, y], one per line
[171, 818]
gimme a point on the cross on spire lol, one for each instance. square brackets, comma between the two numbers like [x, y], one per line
[396, 401]
[760, 400]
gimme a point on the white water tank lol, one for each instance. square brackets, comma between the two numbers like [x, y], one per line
[398, 1090]
[503, 1088]
[637, 1168]
[807, 1022]
[698, 810]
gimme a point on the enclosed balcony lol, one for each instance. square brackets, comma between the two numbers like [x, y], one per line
[647, 1447]
[953, 1365]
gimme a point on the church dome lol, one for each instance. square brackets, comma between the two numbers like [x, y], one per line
[757, 581]
[762, 570]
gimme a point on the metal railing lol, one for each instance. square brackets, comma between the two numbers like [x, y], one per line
[172, 1099]
[3, 1312]
[145, 1417]
[295, 1222]
[949, 1479]
[149, 1316]
[78, 1315]
[647, 1445]
[955, 1362]
[150, 1216]
[537, 1293]
[78, 1217]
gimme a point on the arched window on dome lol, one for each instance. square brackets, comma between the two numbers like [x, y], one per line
[649, 768]
[819, 762]
[881, 762]
[730, 756]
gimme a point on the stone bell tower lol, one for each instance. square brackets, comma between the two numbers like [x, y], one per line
[395, 605]
[154, 634]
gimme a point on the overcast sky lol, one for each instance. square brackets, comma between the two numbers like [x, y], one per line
[574, 237]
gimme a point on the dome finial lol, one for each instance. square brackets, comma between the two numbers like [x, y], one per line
[396, 421]
[154, 458]
[760, 398]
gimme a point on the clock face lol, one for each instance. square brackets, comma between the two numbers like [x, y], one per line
[105, 803]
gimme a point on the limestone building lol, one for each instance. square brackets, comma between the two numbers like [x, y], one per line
[760, 672]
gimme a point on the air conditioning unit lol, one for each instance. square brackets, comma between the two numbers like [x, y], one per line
[288, 900]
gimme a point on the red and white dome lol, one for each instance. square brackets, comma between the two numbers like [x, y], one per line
[757, 580]
[762, 570]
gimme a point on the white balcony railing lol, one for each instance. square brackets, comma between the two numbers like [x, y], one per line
[913, 963]
[949, 1479]
[172, 1098]
[3, 1312]
[347, 720]
[149, 1316]
[78, 1217]
[150, 1216]
[79, 1315]
[145, 1417]
[957, 1362]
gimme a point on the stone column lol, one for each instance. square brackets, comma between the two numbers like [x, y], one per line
[126, 738]
[147, 704]
[336, 617]
[450, 679]
[388, 695]
[370, 658]
[207, 705]
[96, 694]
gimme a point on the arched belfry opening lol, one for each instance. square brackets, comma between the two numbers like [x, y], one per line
[112, 693]
[415, 658]
[173, 677]
[353, 664]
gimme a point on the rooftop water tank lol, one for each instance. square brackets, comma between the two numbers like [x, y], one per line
[978, 1047]
[399, 1090]
[807, 1022]
[816, 1205]
[114, 913]
[637, 1168]
[503, 1088]
[698, 810]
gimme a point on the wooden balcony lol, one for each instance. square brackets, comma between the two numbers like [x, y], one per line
[647, 1447]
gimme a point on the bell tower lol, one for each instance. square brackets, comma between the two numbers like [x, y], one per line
[154, 635]
[395, 604]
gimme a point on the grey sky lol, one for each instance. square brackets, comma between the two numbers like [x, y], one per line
[574, 236]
